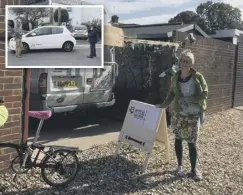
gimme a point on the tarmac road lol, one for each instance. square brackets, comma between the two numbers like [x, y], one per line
[78, 57]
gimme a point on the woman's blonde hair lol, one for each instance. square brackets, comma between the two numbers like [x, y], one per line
[188, 53]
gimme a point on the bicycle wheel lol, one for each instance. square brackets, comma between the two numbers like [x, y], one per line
[16, 165]
[57, 167]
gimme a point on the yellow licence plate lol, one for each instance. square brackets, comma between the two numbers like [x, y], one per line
[67, 84]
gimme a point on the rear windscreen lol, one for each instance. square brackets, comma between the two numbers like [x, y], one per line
[80, 28]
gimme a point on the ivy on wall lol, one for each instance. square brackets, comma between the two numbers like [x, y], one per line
[139, 68]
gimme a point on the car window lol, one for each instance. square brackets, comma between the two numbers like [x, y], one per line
[80, 28]
[42, 31]
[56, 30]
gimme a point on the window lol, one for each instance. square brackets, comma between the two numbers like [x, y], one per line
[42, 31]
[56, 30]
[80, 28]
[69, 9]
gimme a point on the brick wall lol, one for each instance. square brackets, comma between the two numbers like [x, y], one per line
[11, 93]
[215, 59]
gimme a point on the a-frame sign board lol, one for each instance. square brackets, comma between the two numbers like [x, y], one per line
[143, 125]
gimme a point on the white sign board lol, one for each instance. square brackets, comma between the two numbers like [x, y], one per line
[143, 125]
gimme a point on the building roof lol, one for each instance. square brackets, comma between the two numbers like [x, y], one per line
[150, 25]
[122, 25]
[227, 33]
[162, 30]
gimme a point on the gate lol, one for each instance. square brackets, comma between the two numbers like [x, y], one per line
[238, 91]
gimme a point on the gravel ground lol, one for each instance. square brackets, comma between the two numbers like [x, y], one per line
[220, 161]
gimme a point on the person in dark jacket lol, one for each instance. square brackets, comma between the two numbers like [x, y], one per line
[93, 38]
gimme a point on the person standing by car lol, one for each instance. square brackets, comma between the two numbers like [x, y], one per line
[3, 113]
[93, 38]
[18, 36]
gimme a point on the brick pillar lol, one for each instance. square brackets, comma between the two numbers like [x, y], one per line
[11, 81]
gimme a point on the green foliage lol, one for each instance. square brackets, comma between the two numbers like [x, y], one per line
[140, 66]
[64, 15]
[212, 16]
[187, 17]
[95, 22]
[30, 15]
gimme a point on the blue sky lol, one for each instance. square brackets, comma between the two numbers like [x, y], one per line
[153, 11]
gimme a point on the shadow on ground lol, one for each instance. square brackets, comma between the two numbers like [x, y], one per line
[107, 175]
[73, 126]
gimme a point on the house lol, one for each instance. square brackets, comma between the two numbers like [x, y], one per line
[156, 32]
[230, 35]
[160, 32]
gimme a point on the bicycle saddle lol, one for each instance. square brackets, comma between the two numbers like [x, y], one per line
[42, 115]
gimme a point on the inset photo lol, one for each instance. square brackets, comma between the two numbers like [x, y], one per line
[54, 36]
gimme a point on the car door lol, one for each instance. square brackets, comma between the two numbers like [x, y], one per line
[65, 87]
[38, 38]
[56, 37]
[99, 83]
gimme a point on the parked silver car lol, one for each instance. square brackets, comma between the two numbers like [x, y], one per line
[80, 31]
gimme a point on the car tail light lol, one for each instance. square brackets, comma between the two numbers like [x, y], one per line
[43, 84]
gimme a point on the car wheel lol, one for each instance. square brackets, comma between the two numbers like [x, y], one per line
[25, 47]
[68, 46]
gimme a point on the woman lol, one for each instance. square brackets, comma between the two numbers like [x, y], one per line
[188, 93]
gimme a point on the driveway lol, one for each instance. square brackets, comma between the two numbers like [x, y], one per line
[76, 131]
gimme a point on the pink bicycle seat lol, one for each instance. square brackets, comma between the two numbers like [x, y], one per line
[42, 115]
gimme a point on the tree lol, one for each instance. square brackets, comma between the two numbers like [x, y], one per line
[64, 15]
[219, 16]
[51, 16]
[30, 15]
[96, 22]
[187, 17]
[211, 16]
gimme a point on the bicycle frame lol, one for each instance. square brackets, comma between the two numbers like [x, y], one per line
[18, 147]
[41, 148]
[33, 146]
[25, 152]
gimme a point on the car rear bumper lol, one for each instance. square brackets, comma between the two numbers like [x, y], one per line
[72, 108]
[80, 36]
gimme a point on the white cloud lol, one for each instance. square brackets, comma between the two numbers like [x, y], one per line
[149, 20]
[136, 6]
[163, 18]
[236, 3]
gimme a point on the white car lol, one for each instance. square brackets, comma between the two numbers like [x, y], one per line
[47, 37]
